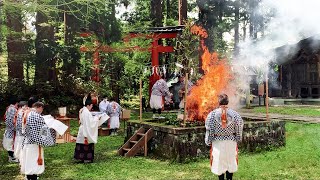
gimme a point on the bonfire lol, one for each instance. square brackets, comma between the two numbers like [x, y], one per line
[203, 97]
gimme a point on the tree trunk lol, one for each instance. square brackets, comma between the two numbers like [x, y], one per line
[168, 9]
[45, 61]
[251, 19]
[15, 46]
[156, 12]
[244, 29]
[236, 28]
[207, 20]
[221, 6]
[71, 27]
[183, 7]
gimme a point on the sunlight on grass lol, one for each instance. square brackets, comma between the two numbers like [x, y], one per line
[291, 110]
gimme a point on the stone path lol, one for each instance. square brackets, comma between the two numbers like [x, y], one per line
[292, 118]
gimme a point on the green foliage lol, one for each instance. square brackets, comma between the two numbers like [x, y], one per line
[172, 119]
[187, 46]
[131, 102]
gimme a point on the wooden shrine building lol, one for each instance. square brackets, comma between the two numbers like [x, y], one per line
[299, 69]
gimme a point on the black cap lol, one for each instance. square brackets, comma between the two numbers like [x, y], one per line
[88, 100]
[31, 101]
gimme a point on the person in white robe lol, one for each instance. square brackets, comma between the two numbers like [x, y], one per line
[37, 136]
[114, 111]
[103, 104]
[9, 133]
[223, 132]
[88, 133]
[103, 107]
[159, 90]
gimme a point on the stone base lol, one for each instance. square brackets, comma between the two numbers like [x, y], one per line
[181, 144]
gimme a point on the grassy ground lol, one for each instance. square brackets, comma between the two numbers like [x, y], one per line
[298, 160]
[289, 110]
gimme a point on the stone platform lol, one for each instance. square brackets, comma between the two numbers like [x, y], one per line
[180, 144]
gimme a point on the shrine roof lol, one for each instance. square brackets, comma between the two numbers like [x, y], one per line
[307, 46]
[167, 29]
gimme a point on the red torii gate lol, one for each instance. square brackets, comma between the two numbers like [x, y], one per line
[155, 34]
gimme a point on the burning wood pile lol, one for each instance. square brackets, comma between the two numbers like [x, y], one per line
[203, 97]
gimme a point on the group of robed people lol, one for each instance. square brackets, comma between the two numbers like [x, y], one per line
[26, 134]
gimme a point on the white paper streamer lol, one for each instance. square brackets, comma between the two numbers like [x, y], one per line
[179, 65]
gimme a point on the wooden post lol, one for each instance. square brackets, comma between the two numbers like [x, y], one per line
[140, 100]
[186, 80]
[267, 97]
[248, 105]
[145, 144]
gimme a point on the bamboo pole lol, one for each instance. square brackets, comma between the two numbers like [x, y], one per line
[267, 97]
[140, 100]
[186, 80]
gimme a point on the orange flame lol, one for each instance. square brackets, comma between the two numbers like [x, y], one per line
[203, 97]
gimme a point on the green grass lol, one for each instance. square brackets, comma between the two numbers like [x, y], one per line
[300, 159]
[291, 110]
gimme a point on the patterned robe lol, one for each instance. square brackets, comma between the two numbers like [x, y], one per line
[37, 135]
[114, 111]
[223, 137]
[10, 129]
[159, 89]
[11, 111]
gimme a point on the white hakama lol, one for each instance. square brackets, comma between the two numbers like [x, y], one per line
[17, 146]
[7, 143]
[224, 157]
[29, 160]
[114, 122]
[156, 102]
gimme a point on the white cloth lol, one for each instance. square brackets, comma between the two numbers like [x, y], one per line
[7, 143]
[29, 160]
[181, 104]
[224, 157]
[17, 146]
[103, 105]
[114, 122]
[156, 102]
[57, 125]
[88, 127]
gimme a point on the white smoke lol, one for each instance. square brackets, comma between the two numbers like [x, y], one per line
[291, 21]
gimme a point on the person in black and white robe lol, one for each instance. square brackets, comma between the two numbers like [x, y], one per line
[223, 132]
[8, 137]
[37, 135]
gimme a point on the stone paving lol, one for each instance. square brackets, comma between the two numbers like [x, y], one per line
[292, 118]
